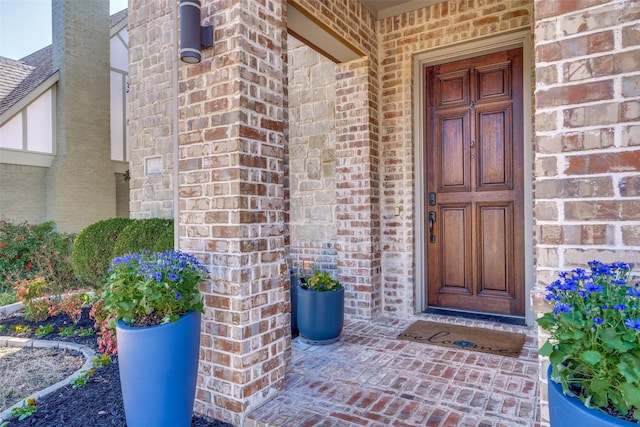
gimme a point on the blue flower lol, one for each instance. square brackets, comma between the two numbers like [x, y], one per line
[597, 320]
[178, 295]
[592, 287]
[562, 308]
[633, 291]
[633, 324]
[620, 307]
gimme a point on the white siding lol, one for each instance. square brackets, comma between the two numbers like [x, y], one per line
[11, 133]
[40, 124]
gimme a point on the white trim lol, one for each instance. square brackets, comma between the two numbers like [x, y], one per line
[469, 49]
[119, 167]
[26, 158]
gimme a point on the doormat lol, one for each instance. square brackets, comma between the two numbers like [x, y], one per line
[465, 337]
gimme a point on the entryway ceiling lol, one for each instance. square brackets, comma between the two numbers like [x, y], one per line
[386, 8]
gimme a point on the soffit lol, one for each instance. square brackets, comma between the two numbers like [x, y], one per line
[385, 8]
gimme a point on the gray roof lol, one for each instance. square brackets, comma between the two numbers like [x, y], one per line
[33, 70]
[19, 78]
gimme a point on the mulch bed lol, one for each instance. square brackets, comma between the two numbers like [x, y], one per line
[98, 403]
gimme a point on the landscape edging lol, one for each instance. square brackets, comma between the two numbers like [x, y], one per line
[87, 352]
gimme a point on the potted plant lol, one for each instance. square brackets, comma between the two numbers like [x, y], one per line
[157, 306]
[320, 308]
[594, 346]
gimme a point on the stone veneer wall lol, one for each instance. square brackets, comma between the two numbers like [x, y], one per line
[312, 162]
[587, 139]
[152, 94]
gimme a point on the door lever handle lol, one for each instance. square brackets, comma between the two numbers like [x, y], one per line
[432, 221]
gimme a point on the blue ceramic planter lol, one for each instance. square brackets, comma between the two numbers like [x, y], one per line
[158, 371]
[570, 411]
[320, 315]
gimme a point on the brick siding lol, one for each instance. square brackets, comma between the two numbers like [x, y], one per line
[587, 119]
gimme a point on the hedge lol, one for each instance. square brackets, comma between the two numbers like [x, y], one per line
[93, 250]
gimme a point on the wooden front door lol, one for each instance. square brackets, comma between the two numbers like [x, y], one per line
[474, 200]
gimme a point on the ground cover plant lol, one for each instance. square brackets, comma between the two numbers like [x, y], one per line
[93, 401]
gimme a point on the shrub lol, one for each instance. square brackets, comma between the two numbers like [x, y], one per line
[28, 251]
[152, 234]
[93, 248]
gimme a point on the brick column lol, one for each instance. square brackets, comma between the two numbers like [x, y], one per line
[587, 186]
[231, 208]
[358, 183]
[80, 184]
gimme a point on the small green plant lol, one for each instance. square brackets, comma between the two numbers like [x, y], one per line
[66, 331]
[22, 329]
[321, 282]
[28, 408]
[2, 328]
[43, 330]
[148, 289]
[85, 332]
[82, 379]
[594, 336]
[102, 360]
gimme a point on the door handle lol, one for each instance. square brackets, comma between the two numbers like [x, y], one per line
[432, 221]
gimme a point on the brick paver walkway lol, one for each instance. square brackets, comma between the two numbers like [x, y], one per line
[370, 378]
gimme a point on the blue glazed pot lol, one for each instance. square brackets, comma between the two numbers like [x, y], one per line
[320, 315]
[570, 411]
[158, 371]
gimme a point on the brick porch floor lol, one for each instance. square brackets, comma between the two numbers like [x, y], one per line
[370, 378]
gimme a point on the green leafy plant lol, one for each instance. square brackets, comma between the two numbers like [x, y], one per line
[102, 360]
[321, 282]
[2, 328]
[28, 408]
[152, 234]
[594, 336]
[93, 248]
[22, 329]
[43, 330]
[66, 331]
[152, 288]
[82, 379]
[27, 251]
[84, 332]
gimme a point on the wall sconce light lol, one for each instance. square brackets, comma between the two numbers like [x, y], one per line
[193, 37]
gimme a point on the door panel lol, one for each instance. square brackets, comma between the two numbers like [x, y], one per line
[494, 150]
[453, 152]
[474, 169]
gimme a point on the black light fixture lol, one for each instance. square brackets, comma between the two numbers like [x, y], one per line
[193, 36]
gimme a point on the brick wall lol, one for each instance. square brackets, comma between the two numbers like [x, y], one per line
[434, 27]
[587, 198]
[22, 193]
[79, 184]
[231, 213]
